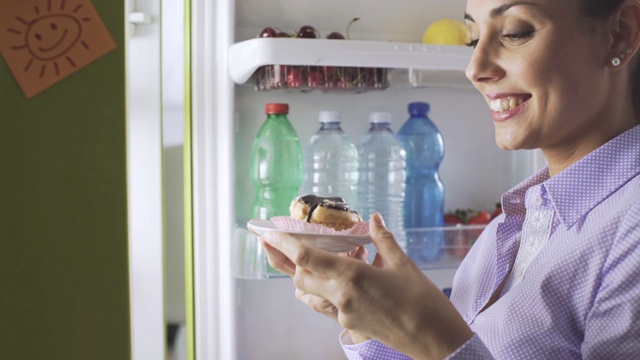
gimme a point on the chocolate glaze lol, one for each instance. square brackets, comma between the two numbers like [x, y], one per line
[314, 201]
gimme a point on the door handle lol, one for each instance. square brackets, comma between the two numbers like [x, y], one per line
[138, 18]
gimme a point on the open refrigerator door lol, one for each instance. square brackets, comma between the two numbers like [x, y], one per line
[240, 309]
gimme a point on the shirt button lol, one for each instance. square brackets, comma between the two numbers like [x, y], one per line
[537, 200]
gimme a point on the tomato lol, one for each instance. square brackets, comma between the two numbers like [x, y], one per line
[452, 219]
[497, 211]
[459, 239]
[481, 217]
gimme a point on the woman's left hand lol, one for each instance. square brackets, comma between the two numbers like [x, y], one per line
[315, 302]
[391, 301]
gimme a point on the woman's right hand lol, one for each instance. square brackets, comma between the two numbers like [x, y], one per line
[318, 304]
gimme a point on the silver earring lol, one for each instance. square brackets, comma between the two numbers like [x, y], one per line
[617, 60]
[624, 54]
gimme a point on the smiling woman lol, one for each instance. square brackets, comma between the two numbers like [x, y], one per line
[555, 275]
[537, 66]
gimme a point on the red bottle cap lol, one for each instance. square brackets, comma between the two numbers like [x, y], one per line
[277, 108]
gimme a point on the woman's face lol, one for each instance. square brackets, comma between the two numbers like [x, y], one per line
[542, 69]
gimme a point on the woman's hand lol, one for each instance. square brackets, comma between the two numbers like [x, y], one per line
[391, 301]
[313, 301]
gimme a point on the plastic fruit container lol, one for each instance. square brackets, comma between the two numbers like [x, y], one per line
[322, 78]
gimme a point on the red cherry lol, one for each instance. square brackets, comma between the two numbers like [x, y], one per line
[276, 76]
[315, 79]
[307, 32]
[330, 77]
[267, 32]
[294, 78]
[335, 35]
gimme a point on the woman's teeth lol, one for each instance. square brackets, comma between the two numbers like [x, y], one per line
[510, 103]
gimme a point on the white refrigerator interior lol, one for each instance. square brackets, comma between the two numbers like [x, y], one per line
[240, 313]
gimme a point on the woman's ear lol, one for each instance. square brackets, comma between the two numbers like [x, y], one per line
[625, 33]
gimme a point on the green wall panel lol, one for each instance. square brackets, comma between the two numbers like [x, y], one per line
[64, 287]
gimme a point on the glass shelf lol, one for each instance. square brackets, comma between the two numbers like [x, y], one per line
[429, 248]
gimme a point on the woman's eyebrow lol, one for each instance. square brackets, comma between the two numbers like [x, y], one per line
[501, 9]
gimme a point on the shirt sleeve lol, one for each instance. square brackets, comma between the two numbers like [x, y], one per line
[473, 349]
[612, 327]
[368, 350]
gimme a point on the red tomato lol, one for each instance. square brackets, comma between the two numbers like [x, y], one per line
[497, 211]
[480, 218]
[451, 219]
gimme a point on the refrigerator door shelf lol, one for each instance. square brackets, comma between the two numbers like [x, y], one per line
[430, 248]
[247, 56]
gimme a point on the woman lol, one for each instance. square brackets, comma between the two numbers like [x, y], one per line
[555, 276]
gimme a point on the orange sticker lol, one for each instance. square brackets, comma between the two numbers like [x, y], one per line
[44, 41]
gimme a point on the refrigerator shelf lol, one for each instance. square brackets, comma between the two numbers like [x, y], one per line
[430, 248]
[246, 57]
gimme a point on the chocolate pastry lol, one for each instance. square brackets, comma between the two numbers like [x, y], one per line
[328, 211]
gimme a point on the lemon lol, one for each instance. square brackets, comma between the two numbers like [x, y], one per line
[446, 32]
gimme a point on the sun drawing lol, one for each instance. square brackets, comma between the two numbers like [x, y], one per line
[44, 41]
[50, 35]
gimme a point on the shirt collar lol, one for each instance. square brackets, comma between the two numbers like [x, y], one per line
[580, 187]
[513, 201]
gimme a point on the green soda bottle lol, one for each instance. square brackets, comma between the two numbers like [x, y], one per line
[276, 164]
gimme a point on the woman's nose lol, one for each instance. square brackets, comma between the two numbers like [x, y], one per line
[483, 66]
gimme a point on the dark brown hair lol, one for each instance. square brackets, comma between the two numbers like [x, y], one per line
[601, 9]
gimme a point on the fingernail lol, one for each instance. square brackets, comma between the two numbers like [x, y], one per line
[267, 236]
[377, 218]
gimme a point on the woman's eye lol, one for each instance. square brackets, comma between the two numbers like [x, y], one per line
[514, 37]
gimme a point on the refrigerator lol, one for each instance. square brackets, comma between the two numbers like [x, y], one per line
[234, 308]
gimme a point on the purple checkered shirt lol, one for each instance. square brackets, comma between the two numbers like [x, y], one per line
[570, 246]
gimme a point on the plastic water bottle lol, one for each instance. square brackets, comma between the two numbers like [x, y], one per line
[331, 161]
[276, 164]
[424, 192]
[381, 174]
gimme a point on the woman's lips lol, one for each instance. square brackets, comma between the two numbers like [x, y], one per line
[504, 107]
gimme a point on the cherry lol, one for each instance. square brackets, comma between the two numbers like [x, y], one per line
[283, 34]
[294, 78]
[329, 77]
[315, 78]
[307, 32]
[276, 76]
[335, 35]
[267, 32]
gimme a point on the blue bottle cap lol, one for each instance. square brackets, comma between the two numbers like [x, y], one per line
[418, 108]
